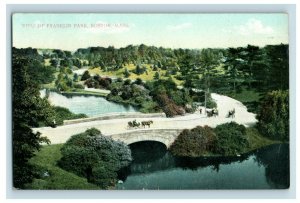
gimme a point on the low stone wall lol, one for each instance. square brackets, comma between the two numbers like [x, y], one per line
[115, 116]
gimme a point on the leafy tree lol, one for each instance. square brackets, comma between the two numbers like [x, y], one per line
[59, 53]
[95, 157]
[231, 139]
[127, 82]
[38, 72]
[63, 82]
[273, 116]
[27, 112]
[138, 70]
[66, 62]
[75, 77]
[139, 81]
[126, 73]
[105, 82]
[68, 54]
[194, 142]
[156, 76]
[54, 62]
[92, 83]
[86, 75]
[76, 62]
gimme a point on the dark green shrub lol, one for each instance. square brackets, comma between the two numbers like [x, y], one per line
[78, 86]
[126, 73]
[92, 83]
[231, 139]
[86, 75]
[149, 107]
[211, 103]
[62, 114]
[127, 82]
[139, 81]
[194, 142]
[93, 132]
[95, 157]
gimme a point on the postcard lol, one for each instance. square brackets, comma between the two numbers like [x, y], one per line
[127, 101]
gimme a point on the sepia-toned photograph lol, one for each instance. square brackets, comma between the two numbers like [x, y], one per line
[150, 101]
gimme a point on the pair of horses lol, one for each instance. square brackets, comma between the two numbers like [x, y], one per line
[135, 124]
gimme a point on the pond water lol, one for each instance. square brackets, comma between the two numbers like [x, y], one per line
[156, 168]
[89, 105]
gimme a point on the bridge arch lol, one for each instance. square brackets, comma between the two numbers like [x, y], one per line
[165, 136]
[155, 139]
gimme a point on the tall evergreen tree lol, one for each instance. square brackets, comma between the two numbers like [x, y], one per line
[126, 73]
[233, 65]
[278, 63]
[28, 111]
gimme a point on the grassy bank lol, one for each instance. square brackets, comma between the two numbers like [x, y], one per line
[228, 139]
[58, 178]
[256, 140]
[62, 114]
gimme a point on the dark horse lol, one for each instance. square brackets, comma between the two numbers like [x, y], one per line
[148, 123]
[231, 114]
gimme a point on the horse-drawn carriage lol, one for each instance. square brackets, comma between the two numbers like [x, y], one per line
[212, 112]
[135, 124]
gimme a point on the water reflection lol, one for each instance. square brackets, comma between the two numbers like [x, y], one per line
[276, 161]
[155, 168]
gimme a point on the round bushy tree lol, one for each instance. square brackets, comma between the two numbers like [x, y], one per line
[95, 157]
[86, 75]
[231, 139]
[126, 73]
[194, 142]
[273, 116]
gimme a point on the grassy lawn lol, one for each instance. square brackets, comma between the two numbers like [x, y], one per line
[47, 158]
[131, 67]
[247, 96]
[256, 140]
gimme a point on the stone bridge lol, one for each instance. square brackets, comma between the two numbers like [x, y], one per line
[165, 136]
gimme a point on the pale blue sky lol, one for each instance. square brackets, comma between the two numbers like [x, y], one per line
[167, 30]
